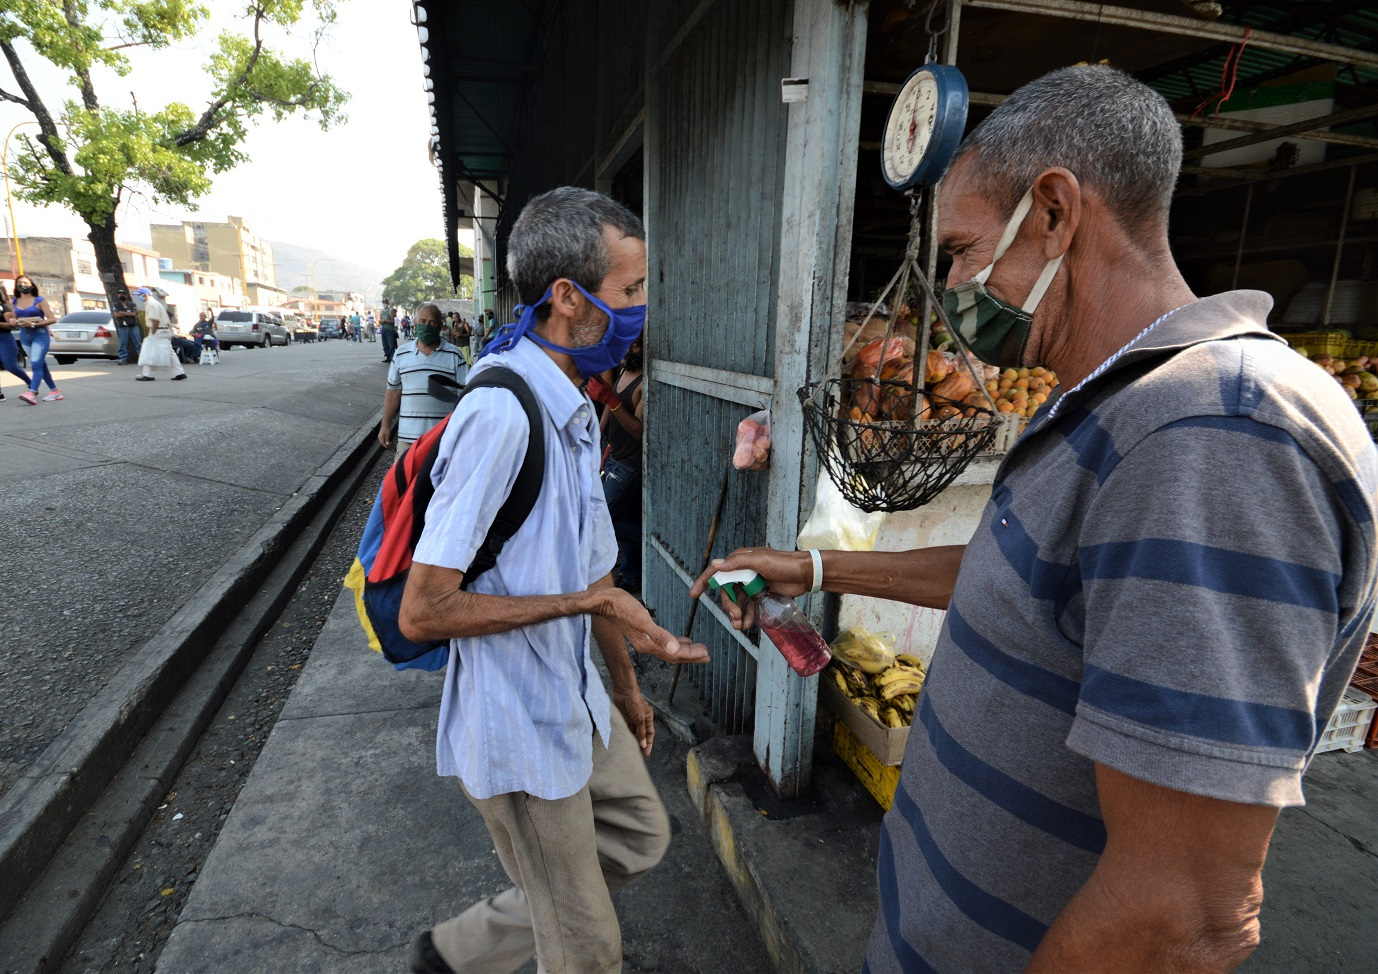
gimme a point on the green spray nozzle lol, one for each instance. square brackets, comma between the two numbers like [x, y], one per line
[751, 584]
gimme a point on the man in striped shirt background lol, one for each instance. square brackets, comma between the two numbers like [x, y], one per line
[408, 401]
[1165, 598]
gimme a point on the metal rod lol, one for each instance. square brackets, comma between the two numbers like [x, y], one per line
[1281, 131]
[1243, 229]
[707, 558]
[1237, 177]
[1185, 26]
[1339, 246]
[986, 99]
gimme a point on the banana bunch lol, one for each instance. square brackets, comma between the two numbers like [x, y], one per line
[887, 697]
[865, 651]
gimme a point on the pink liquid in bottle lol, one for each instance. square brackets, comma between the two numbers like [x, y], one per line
[800, 645]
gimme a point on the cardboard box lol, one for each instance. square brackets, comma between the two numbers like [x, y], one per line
[886, 743]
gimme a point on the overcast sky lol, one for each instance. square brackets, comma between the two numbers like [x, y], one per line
[364, 191]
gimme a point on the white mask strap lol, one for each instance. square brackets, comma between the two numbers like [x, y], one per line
[1041, 285]
[1007, 238]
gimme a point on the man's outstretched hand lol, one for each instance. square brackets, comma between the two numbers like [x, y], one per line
[642, 633]
[787, 573]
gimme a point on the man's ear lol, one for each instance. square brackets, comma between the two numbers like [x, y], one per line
[1058, 207]
[565, 297]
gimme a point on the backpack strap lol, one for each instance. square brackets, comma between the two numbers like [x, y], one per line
[530, 477]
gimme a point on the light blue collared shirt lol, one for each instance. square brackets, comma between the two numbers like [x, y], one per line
[519, 708]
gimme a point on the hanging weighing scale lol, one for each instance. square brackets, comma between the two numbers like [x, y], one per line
[888, 442]
[924, 127]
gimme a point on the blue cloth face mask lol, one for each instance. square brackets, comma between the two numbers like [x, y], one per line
[624, 328]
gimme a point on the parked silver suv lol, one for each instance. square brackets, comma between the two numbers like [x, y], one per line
[252, 329]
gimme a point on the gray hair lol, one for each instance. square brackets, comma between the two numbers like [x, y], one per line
[431, 305]
[560, 234]
[1118, 136]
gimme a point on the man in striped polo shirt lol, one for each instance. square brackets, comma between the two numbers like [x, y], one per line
[1166, 595]
[408, 400]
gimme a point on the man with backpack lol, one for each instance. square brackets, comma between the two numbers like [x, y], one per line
[555, 769]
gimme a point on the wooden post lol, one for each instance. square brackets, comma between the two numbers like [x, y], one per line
[829, 49]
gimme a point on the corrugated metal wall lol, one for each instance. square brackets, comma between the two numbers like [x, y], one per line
[715, 163]
[586, 88]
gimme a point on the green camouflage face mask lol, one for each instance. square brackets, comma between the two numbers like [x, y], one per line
[984, 322]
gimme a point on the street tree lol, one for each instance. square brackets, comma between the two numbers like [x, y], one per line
[425, 275]
[92, 153]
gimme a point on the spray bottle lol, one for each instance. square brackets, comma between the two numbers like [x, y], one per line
[788, 628]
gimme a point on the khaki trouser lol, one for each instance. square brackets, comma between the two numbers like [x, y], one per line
[566, 858]
[402, 447]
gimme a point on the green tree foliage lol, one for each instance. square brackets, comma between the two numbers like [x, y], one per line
[425, 275]
[90, 154]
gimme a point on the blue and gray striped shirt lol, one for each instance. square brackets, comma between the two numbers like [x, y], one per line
[1173, 577]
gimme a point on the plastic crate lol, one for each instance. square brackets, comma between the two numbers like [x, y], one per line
[1348, 728]
[1369, 685]
[1320, 342]
[1355, 347]
[880, 780]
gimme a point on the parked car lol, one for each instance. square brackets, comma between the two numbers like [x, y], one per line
[331, 328]
[84, 334]
[252, 329]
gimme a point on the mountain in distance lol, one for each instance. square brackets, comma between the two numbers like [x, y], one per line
[332, 274]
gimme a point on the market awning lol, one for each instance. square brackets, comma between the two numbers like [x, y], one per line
[478, 59]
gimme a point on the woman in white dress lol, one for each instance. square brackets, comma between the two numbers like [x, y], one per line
[157, 350]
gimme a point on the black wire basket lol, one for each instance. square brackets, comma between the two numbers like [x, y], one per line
[896, 464]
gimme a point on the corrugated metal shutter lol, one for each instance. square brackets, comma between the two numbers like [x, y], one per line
[716, 132]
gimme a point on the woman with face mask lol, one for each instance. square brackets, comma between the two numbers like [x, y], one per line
[34, 315]
[9, 348]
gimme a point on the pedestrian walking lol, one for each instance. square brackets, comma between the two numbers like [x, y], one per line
[555, 768]
[408, 400]
[1148, 631]
[126, 315]
[464, 338]
[34, 314]
[158, 351]
[387, 327]
[9, 348]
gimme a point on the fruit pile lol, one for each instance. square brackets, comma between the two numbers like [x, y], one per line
[946, 377]
[887, 697]
[1022, 391]
[1356, 375]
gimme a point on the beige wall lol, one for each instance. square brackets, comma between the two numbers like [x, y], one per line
[950, 518]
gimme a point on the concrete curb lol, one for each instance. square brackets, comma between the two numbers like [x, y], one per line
[778, 856]
[710, 769]
[69, 777]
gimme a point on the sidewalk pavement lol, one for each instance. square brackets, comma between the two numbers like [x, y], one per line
[344, 843]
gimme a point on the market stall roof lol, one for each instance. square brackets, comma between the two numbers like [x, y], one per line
[477, 58]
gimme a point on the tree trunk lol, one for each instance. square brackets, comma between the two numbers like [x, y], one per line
[107, 258]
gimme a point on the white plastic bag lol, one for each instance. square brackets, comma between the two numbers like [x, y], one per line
[753, 442]
[836, 524]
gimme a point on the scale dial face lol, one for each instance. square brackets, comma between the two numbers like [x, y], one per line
[909, 129]
[924, 129]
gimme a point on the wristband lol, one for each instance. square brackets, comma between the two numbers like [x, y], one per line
[817, 570]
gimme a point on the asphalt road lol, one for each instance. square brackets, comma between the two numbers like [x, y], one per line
[120, 501]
